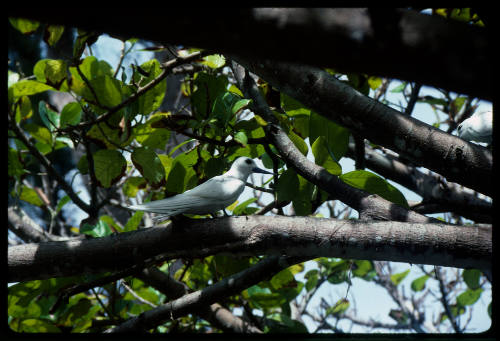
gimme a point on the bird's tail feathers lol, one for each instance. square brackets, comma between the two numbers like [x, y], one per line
[169, 206]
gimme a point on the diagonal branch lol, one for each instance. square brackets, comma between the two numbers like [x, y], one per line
[224, 288]
[48, 166]
[459, 161]
[368, 206]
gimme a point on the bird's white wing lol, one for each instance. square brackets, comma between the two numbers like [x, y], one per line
[212, 195]
[218, 188]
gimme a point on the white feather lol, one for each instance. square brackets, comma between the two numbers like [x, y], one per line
[211, 196]
[478, 127]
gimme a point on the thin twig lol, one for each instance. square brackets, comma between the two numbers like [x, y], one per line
[48, 166]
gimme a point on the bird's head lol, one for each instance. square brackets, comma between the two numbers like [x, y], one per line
[243, 166]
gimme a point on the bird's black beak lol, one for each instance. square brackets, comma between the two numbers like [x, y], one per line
[258, 170]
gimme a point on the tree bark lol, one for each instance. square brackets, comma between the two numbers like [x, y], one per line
[438, 244]
[459, 161]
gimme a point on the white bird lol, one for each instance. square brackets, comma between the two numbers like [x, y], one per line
[477, 128]
[211, 196]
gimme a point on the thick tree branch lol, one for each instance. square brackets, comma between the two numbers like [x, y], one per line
[459, 161]
[368, 206]
[447, 198]
[390, 42]
[438, 244]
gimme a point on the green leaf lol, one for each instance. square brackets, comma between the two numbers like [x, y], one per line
[298, 142]
[207, 89]
[24, 26]
[229, 265]
[149, 165]
[241, 137]
[293, 107]
[240, 105]
[398, 278]
[153, 98]
[83, 165]
[15, 167]
[52, 34]
[63, 201]
[264, 298]
[30, 195]
[419, 283]
[471, 278]
[23, 109]
[101, 229]
[132, 185]
[339, 308]
[110, 136]
[399, 88]
[361, 268]
[282, 279]
[71, 114]
[312, 277]
[223, 107]
[323, 158]
[240, 209]
[469, 297]
[374, 184]
[287, 186]
[181, 172]
[148, 136]
[42, 134]
[214, 61]
[51, 71]
[109, 166]
[456, 310]
[302, 202]
[83, 39]
[27, 88]
[134, 222]
[337, 137]
[37, 326]
[374, 82]
[107, 89]
[49, 117]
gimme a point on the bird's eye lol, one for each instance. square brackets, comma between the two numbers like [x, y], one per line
[248, 161]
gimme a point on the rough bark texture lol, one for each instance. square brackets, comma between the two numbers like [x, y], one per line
[439, 244]
[459, 161]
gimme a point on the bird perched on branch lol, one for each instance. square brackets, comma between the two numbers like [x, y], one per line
[478, 127]
[211, 196]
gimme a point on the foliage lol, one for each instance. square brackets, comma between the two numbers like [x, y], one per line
[134, 152]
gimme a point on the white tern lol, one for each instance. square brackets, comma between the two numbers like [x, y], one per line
[211, 196]
[477, 128]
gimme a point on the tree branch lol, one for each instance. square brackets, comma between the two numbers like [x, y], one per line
[224, 288]
[48, 166]
[452, 198]
[438, 244]
[459, 161]
[214, 313]
[368, 206]
[398, 43]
